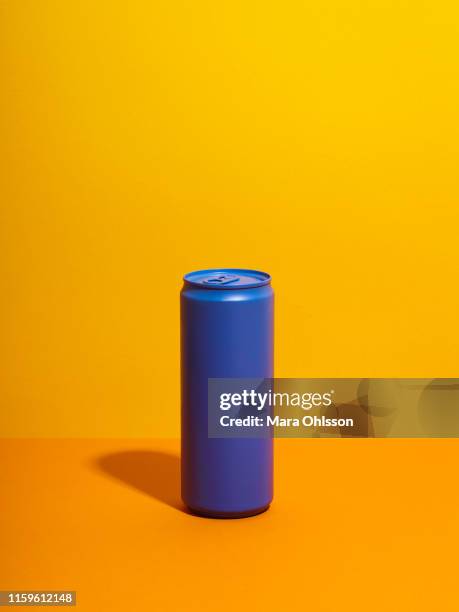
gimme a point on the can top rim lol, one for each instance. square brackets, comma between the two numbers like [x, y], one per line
[227, 278]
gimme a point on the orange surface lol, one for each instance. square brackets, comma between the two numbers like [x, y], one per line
[356, 525]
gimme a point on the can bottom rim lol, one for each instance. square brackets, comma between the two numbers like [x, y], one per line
[227, 515]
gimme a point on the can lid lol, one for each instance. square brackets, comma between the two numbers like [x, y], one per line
[227, 278]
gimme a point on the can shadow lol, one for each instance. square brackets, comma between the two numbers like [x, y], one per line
[154, 473]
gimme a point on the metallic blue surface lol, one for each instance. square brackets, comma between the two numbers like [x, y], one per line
[226, 332]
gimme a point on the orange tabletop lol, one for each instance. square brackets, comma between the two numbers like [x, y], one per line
[355, 525]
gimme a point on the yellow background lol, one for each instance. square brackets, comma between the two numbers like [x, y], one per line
[141, 140]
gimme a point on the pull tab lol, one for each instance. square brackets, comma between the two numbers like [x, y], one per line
[221, 279]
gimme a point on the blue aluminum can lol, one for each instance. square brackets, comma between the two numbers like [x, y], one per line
[226, 332]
